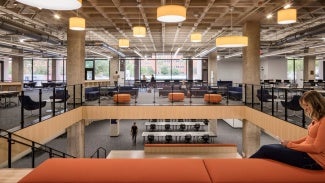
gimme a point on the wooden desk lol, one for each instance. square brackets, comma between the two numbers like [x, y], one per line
[174, 124]
[12, 86]
[178, 135]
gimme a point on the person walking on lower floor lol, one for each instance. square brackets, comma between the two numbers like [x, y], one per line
[307, 152]
[134, 133]
[115, 78]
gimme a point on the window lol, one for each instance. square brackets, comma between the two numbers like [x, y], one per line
[28, 70]
[102, 69]
[129, 69]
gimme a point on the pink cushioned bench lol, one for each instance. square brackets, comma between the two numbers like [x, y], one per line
[169, 171]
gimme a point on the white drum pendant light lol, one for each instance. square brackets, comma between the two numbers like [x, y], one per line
[77, 23]
[287, 16]
[171, 13]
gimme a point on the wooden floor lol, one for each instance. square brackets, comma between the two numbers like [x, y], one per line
[141, 154]
[13, 175]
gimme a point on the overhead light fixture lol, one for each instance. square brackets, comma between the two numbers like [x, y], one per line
[171, 13]
[123, 43]
[287, 16]
[139, 31]
[268, 16]
[231, 41]
[77, 23]
[53, 4]
[196, 37]
[286, 6]
[57, 16]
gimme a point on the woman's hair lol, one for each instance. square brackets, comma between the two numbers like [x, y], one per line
[317, 102]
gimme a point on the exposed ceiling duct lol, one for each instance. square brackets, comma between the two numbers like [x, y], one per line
[18, 28]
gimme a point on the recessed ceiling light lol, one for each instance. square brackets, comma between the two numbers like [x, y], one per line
[286, 6]
[57, 16]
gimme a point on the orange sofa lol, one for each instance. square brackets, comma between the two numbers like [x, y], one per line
[169, 171]
[176, 96]
[122, 98]
[212, 98]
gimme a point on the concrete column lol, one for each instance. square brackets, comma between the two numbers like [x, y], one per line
[136, 69]
[251, 138]
[75, 62]
[54, 70]
[190, 69]
[17, 69]
[76, 139]
[113, 66]
[309, 65]
[212, 68]
[251, 58]
[212, 125]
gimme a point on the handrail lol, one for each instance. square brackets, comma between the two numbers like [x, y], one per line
[34, 146]
[97, 152]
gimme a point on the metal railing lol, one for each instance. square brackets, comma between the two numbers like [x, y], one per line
[14, 140]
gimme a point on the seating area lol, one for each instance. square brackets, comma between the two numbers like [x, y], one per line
[178, 170]
[92, 93]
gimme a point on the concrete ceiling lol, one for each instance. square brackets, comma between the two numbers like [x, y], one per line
[109, 20]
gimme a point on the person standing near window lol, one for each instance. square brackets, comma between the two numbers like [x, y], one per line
[134, 133]
[115, 78]
[307, 152]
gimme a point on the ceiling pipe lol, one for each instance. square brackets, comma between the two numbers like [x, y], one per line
[300, 35]
[16, 28]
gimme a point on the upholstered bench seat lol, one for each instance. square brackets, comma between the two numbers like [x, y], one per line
[259, 170]
[119, 171]
[176, 96]
[212, 98]
[122, 98]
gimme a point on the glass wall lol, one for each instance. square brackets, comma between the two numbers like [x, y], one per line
[101, 69]
[28, 70]
[163, 68]
[129, 69]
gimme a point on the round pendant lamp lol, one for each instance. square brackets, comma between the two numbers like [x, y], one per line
[232, 41]
[139, 31]
[53, 4]
[77, 23]
[287, 16]
[171, 13]
[123, 43]
[196, 37]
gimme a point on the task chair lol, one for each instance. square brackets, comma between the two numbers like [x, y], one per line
[188, 138]
[197, 126]
[293, 105]
[167, 127]
[168, 138]
[151, 138]
[182, 127]
[30, 105]
[152, 127]
[206, 138]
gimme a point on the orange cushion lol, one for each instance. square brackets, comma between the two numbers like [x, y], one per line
[213, 98]
[122, 98]
[259, 170]
[119, 170]
[176, 96]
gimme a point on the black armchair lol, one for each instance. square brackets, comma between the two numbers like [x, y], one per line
[29, 104]
[61, 96]
[293, 104]
[264, 95]
[152, 127]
